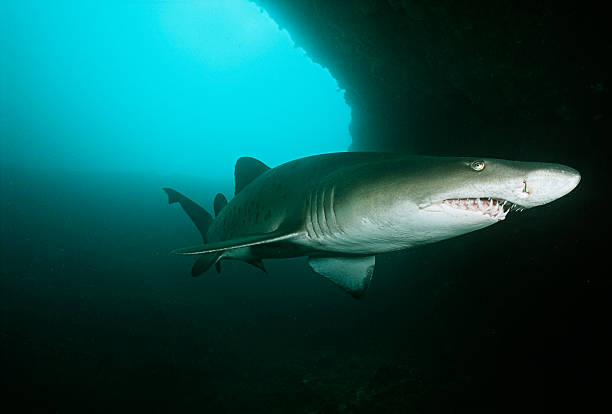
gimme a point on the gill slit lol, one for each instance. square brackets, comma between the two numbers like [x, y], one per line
[332, 199]
[323, 217]
[315, 214]
[308, 208]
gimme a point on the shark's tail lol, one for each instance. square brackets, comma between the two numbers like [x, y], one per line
[202, 219]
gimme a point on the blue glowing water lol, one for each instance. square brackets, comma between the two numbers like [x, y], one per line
[159, 87]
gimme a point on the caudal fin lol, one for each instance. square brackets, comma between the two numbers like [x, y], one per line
[200, 217]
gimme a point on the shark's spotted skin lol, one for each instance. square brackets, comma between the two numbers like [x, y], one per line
[342, 209]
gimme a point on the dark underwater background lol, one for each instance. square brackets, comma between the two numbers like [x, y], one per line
[103, 104]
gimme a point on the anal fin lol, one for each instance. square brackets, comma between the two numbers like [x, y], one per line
[204, 262]
[258, 264]
[352, 274]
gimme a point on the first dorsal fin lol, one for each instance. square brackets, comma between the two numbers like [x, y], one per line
[247, 169]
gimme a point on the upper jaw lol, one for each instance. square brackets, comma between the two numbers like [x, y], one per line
[491, 208]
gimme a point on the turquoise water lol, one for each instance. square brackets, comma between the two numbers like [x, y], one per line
[160, 87]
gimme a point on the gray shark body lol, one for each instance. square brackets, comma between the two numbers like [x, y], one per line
[342, 209]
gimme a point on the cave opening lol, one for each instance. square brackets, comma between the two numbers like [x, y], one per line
[161, 87]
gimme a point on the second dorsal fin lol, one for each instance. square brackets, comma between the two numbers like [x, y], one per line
[219, 204]
[247, 169]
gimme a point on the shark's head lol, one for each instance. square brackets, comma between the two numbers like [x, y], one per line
[457, 196]
[490, 188]
[418, 200]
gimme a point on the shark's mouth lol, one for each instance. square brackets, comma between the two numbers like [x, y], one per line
[493, 207]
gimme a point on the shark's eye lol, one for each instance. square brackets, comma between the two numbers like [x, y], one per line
[477, 165]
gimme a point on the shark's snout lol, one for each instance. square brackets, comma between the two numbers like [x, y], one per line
[546, 184]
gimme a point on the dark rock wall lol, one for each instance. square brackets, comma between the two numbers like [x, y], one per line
[461, 77]
[526, 314]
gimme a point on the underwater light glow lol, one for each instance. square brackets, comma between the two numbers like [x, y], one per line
[166, 87]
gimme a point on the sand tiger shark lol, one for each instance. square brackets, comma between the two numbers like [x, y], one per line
[342, 209]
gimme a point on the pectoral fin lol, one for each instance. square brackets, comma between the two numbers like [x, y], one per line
[352, 274]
